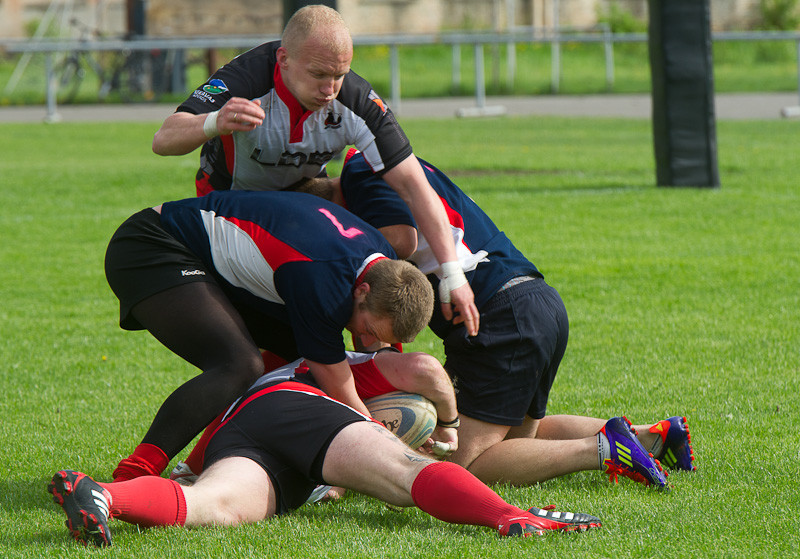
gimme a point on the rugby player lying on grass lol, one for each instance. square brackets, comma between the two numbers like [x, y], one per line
[283, 438]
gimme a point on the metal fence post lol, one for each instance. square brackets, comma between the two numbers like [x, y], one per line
[608, 41]
[50, 76]
[511, 64]
[555, 52]
[511, 48]
[480, 83]
[794, 111]
[480, 108]
[456, 67]
[395, 80]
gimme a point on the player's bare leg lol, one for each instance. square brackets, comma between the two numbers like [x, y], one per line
[521, 460]
[365, 457]
[235, 490]
[539, 450]
[562, 427]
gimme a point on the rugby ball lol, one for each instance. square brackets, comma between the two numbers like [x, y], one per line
[409, 416]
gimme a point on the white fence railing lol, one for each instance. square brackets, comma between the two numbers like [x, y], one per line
[50, 47]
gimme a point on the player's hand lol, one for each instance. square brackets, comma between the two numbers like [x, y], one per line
[463, 300]
[443, 442]
[333, 494]
[239, 115]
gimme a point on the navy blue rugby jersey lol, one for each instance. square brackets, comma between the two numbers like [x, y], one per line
[296, 260]
[487, 256]
[291, 143]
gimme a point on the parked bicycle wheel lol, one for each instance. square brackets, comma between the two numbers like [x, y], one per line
[134, 80]
[69, 76]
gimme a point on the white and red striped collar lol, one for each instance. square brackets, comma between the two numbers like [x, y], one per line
[368, 263]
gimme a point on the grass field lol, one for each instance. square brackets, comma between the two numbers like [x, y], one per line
[682, 301]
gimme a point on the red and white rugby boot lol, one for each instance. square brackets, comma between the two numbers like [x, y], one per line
[541, 520]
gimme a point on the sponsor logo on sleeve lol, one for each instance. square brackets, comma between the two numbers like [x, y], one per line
[215, 87]
[377, 100]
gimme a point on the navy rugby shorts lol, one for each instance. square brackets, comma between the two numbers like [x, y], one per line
[506, 371]
[142, 259]
[286, 428]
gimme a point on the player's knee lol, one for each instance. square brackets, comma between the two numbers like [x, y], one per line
[423, 366]
[253, 367]
[224, 510]
[230, 512]
[239, 371]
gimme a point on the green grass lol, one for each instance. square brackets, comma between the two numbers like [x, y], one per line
[682, 301]
[426, 71]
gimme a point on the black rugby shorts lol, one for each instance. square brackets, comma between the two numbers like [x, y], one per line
[507, 370]
[287, 431]
[142, 259]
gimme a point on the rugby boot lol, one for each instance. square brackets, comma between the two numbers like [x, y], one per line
[86, 504]
[541, 520]
[675, 446]
[183, 474]
[629, 458]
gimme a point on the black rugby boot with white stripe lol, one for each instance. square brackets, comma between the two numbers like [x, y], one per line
[565, 521]
[86, 504]
[536, 522]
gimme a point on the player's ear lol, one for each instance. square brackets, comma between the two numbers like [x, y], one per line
[281, 55]
[361, 291]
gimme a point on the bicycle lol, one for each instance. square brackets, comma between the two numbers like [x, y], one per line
[134, 75]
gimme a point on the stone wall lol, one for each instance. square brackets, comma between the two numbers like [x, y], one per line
[365, 17]
[20, 18]
[174, 18]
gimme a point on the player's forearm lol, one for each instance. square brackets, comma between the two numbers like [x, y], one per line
[423, 374]
[432, 222]
[432, 381]
[409, 181]
[336, 380]
[181, 133]
[439, 390]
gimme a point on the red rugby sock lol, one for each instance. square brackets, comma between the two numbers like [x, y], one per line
[449, 492]
[146, 460]
[148, 501]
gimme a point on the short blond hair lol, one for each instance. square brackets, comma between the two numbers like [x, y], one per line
[400, 291]
[321, 22]
[322, 187]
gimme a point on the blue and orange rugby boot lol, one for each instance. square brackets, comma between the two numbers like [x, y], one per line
[629, 458]
[674, 447]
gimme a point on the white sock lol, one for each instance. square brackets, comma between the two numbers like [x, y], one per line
[603, 450]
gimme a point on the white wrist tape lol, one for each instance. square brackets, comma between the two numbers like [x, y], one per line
[452, 278]
[441, 449]
[210, 125]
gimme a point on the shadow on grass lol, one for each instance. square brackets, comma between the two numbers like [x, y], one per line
[512, 182]
[376, 516]
[28, 494]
